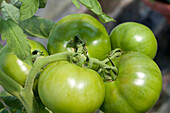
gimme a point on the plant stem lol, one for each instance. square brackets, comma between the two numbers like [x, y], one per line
[16, 89]
[29, 102]
[115, 53]
[9, 84]
[42, 61]
[102, 64]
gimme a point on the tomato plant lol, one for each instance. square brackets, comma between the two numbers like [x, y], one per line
[90, 30]
[137, 87]
[74, 90]
[10, 62]
[78, 43]
[132, 36]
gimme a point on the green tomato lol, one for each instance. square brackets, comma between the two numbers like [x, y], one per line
[14, 67]
[90, 30]
[67, 88]
[137, 87]
[131, 36]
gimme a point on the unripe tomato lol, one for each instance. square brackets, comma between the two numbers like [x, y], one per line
[132, 36]
[14, 67]
[89, 29]
[67, 88]
[137, 87]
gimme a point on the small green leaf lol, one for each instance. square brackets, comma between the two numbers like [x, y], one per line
[75, 2]
[42, 3]
[17, 40]
[4, 93]
[38, 27]
[95, 7]
[87, 3]
[10, 12]
[10, 102]
[28, 8]
[105, 18]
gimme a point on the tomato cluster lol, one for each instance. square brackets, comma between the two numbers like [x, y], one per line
[65, 87]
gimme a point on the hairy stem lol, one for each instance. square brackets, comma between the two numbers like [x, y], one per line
[9, 84]
[42, 61]
[102, 64]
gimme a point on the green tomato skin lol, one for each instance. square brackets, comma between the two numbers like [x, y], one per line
[67, 88]
[131, 36]
[137, 87]
[90, 30]
[35, 45]
[14, 67]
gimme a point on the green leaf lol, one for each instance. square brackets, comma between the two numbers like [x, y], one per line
[4, 93]
[12, 111]
[28, 8]
[11, 102]
[38, 27]
[17, 40]
[10, 12]
[16, 3]
[42, 3]
[75, 2]
[87, 3]
[95, 7]
[105, 18]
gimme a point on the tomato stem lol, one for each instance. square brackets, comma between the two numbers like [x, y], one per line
[113, 54]
[16, 89]
[9, 84]
[110, 72]
[42, 61]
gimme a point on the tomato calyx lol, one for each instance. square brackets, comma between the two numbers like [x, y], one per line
[78, 44]
[81, 58]
[108, 73]
[115, 53]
